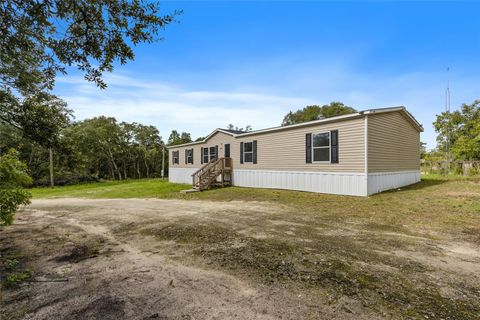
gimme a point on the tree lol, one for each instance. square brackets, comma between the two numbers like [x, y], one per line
[13, 177]
[98, 139]
[315, 112]
[40, 117]
[175, 138]
[461, 131]
[41, 38]
[185, 137]
[149, 142]
[423, 150]
[247, 128]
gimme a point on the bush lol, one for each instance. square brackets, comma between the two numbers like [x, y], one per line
[473, 171]
[13, 177]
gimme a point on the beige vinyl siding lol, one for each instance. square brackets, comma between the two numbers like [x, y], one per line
[393, 143]
[218, 138]
[284, 150]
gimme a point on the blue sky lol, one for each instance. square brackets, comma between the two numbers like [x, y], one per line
[249, 63]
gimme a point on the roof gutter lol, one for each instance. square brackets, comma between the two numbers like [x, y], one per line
[310, 123]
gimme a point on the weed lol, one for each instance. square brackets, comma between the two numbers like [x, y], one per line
[11, 263]
[15, 278]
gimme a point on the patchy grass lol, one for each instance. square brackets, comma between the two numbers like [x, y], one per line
[435, 205]
[13, 270]
[145, 188]
[384, 251]
[389, 284]
[428, 208]
[15, 278]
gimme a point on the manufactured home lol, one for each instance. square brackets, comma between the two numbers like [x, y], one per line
[358, 154]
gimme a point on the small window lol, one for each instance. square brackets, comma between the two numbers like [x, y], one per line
[190, 156]
[321, 147]
[213, 153]
[175, 157]
[205, 155]
[227, 150]
[248, 152]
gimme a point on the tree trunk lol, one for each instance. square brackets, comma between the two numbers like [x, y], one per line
[146, 167]
[30, 159]
[115, 165]
[138, 170]
[124, 170]
[50, 153]
[112, 174]
[119, 173]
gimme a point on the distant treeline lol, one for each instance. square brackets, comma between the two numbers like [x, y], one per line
[93, 149]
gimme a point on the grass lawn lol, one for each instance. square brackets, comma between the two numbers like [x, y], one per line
[145, 188]
[445, 205]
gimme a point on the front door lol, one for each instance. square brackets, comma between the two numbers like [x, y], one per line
[227, 150]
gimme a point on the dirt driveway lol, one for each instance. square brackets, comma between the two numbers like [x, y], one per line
[178, 259]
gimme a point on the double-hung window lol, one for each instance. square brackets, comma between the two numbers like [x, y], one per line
[189, 154]
[205, 155]
[321, 147]
[248, 152]
[175, 157]
[213, 153]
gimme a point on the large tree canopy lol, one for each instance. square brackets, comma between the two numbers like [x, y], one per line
[316, 112]
[40, 117]
[41, 38]
[176, 138]
[461, 130]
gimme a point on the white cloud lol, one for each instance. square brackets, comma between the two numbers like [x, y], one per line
[169, 106]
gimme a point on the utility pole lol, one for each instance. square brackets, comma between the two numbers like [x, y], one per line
[50, 153]
[163, 161]
[447, 110]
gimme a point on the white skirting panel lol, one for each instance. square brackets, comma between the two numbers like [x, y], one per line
[381, 181]
[181, 175]
[353, 184]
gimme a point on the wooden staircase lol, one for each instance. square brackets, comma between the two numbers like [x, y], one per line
[208, 176]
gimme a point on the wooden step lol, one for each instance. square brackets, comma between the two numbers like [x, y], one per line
[190, 190]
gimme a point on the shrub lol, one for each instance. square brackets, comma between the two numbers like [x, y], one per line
[13, 177]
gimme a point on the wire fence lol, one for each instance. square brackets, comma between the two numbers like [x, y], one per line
[465, 168]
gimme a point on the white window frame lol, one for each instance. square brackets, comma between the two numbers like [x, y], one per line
[324, 147]
[189, 156]
[250, 152]
[176, 157]
[206, 154]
